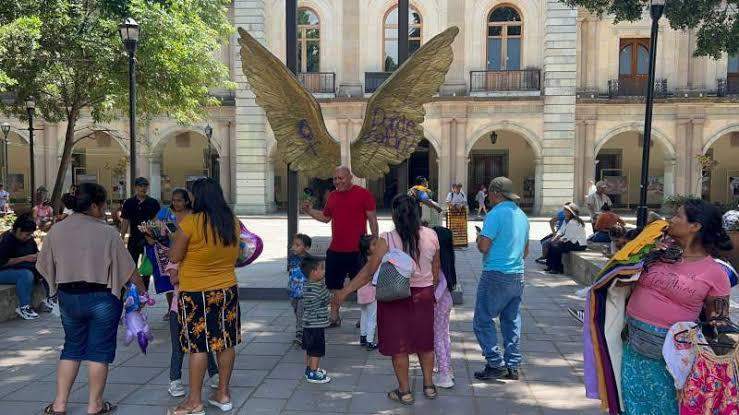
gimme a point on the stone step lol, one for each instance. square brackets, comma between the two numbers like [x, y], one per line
[9, 300]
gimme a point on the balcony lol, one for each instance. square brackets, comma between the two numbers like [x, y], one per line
[318, 83]
[635, 87]
[373, 80]
[524, 82]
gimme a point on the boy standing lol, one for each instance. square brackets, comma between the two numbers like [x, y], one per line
[315, 319]
[296, 280]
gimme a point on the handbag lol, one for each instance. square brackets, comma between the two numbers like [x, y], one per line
[250, 247]
[393, 278]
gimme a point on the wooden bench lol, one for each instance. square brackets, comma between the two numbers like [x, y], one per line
[9, 300]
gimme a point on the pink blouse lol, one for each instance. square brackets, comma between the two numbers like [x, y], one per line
[428, 246]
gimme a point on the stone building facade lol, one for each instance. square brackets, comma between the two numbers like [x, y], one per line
[545, 94]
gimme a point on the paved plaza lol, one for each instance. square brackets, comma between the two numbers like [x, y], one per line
[268, 375]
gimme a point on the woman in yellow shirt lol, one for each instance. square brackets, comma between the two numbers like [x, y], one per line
[207, 245]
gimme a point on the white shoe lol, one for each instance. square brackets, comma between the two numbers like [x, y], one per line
[47, 305]
[214, 380]
[443, 380]
[176, 389]
[225, 407]
[26, 313]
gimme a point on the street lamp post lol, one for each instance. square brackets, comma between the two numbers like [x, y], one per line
[656, 9]
[31, 109]
[129, 31]
[291, 61]
[6, 130]
[209, 162]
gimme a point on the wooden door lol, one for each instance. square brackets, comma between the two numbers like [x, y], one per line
[633, 66]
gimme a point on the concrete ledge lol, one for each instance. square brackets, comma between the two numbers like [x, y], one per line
[583, 266]
[9, 300]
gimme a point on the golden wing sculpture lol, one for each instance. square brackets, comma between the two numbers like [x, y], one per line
[294, 115]
[392, 122]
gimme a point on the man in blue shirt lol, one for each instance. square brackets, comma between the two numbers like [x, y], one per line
[556, 222]
[504, 243]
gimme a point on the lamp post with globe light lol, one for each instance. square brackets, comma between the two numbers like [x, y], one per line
[130, 31]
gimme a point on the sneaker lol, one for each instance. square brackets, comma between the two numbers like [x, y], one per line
[443, 380]
[47, 305]
[371, 346]
[512, 374]
[489, 373]
[319, 370]
[362, 340]
[176, 389]
[26, 313]
[214, 381]
[317, 377]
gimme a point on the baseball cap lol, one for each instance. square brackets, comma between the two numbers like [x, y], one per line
[504, 186]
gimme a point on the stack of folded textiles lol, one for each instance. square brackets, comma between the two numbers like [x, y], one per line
[604, 321]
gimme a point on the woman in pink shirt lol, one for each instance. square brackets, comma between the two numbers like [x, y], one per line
[675, 285]
[406, 326]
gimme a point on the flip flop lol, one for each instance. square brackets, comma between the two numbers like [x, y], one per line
[430, 392]
[186, 411]
[106, 409]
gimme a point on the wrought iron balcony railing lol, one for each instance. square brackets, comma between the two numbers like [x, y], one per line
[501, 81]
[318, 82]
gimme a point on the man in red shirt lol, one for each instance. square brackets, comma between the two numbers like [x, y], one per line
[348, 208]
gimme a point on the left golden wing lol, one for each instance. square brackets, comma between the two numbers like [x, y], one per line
[392, 123]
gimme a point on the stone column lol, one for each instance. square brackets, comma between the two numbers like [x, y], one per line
[352, 132]
[683, 60]
[590, 155]
[683, 178]
[253, 195]
[459, 129]
[696, 149]
[669, 177]
[560, 75]
[351, 76]
[154, 162]
[445, 155]
[539, 185]
[580, 151]
[345, 142]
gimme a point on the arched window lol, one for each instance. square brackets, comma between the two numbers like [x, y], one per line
[390, 44]
[633, 66]
[309, 41]
[505, 30]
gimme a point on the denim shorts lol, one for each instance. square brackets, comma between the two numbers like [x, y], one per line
[90, 324]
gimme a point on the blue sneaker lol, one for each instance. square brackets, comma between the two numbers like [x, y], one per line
[317, 377]
[319, 370]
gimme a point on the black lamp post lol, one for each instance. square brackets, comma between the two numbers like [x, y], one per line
[6, 130]
[31, 109]
[130, 31]
[209, 162]
[291, 61]
[656, 9]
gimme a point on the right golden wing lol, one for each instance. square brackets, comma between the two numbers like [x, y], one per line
[294, 115]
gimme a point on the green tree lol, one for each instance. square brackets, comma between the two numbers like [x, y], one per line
[715, 20]
[68, 54]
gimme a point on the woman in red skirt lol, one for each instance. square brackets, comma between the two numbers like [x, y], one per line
[406, 326]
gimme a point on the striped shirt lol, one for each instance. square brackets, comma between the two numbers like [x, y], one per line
[315, 304]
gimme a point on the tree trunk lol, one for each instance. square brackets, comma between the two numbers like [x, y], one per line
[56, 196]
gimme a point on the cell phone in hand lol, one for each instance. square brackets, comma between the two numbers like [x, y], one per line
[477, 228]
[172, 227]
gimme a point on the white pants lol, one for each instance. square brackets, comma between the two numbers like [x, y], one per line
[368, 320]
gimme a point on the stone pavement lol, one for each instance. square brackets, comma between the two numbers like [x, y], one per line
[267, 377]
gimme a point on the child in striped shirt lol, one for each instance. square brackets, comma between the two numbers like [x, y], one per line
[315, 318]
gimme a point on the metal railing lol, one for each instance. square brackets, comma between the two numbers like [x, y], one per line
[318, 82]
[373, 80]
[631, 87]
[492, 81]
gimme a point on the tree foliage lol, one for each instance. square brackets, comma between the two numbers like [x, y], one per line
[715, 20]
[69, 55]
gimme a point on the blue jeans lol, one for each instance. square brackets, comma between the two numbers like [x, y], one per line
[499, 295]
[600, 236]
[90, 324]
[23, 280]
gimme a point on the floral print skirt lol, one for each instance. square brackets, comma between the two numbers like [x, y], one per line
[210, 320]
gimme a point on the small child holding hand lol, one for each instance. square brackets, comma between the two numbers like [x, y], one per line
[315, 318]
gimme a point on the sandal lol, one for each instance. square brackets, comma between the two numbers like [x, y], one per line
[430, 392]
[106, 409]
[49, 410]
[180, 410]
[398, 396]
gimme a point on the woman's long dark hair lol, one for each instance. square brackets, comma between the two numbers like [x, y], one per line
[446, 254]
[711, 235]
[219, 219]
[407, 223]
